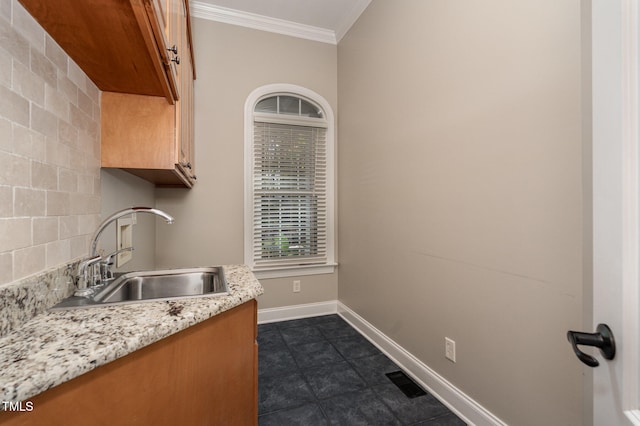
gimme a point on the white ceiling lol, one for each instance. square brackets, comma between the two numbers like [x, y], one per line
[321, 20]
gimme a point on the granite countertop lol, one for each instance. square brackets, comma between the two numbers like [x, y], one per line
[57, 346]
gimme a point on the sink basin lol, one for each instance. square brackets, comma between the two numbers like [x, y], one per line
[151, 286]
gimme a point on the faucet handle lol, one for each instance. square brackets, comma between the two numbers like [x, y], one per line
[107, 263]
[108, 259]
[85, 264]
[84, 286]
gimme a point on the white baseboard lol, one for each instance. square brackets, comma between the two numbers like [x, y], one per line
[297, 311]
[456, 400]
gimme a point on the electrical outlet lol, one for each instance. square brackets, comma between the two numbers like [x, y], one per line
[296, 286]
[450, 349]
[124, 239]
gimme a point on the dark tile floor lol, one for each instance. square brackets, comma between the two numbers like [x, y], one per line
[321, 371]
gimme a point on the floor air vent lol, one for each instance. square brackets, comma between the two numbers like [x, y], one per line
[405, 384]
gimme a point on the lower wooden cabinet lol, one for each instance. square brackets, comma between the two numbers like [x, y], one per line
[204, 375]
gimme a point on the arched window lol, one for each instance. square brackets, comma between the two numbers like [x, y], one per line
[289, 182]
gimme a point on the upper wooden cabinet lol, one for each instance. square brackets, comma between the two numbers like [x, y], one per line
[139, 53]
[111, 40]
[145, 135]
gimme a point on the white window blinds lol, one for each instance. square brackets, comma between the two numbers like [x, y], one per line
[289, 194]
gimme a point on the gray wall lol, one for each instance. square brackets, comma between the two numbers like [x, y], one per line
[460, 178]
[121, 190]
[231, 62]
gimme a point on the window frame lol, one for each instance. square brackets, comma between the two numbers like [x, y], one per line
[250, 115]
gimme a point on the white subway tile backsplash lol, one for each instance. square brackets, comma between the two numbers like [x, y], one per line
[43, 67]
[58, 154]
[6, 135]
[49, 150]
[28, 84]
[5, 10]
[92, 146]
[29, 260]
[44, 121]
[58, 252]
[13, 106]
[28, 28]
[44, 176]
[58, 203]
[76, 75]
[6, 267]
[87, 223]
[6, 69]
[15, 233]
[28, 143]
[67, 180]
[68, 88]
[45, 230]
[6, 201]
[28, 202]
[79, 246]
[68, 227]
[89, 161]
[82, 120]
[55, 54]
[14, 43]
[83, 203]
[56, 103]
[67, 134]
[86, 184]
[85, 104]
[94, 94]
[14, 170]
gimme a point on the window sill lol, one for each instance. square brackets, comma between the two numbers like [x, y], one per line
[295, 271]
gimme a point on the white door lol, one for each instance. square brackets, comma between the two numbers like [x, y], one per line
[616, 296]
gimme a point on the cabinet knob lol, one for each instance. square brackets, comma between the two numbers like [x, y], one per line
[174, 49]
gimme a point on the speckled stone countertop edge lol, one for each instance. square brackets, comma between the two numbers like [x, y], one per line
[55, 347]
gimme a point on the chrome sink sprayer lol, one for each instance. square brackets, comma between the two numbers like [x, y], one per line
[86, 278]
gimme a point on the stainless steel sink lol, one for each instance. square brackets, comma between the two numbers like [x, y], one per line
[150, 286]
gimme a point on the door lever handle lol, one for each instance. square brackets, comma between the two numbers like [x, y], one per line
[602, 339]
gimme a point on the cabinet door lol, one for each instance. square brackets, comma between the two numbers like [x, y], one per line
[176, 15]
[163, 17]
[161, 14]
[185, 110]
[186, 123]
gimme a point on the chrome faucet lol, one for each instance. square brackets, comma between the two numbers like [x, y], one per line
[107, 262]
[85, 276]
[87, 279]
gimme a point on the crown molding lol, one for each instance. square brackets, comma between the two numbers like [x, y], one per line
[203, 10]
